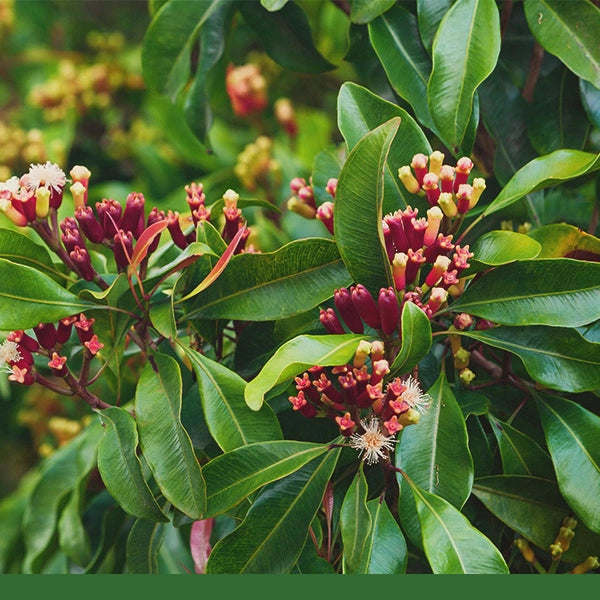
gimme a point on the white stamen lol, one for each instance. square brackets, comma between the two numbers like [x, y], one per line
[372, 444]
[49, 175]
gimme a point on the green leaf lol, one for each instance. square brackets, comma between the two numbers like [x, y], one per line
[465, 52]
[452, 545]
[500, 247]
[359, 112]
[162, 316]
[573, 438]
[563, 240]
[273, 285]
[272, 536]
[19, 248]
[28, 297]
[120, 467]
[434, 452]
[168, 43]
[557, 357]
[233, 476]
[552, 22]
[416, 340]
[534, 508]
[230, 421]
[590, 98]
[395, 38]
[543, 172]
[355, 523]
[61, 473]
[358, 209]
[285, 36]
[385, 551]
[297, 355]
[551, 291]
[363, 11]
[557, 117]
[158, 417]
[519, 453]
[73, 539]
[430, 14]
[143, 545]
[272, 5]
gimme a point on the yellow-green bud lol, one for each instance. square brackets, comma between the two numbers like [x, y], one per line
[466, 376]
[42, 202]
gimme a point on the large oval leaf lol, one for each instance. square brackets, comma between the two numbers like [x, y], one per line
[557, 357]
[165, 444]
[416, 339]
[273, 285]
[560, 240]
[297, 355]
[120, 467]
[230, 421]
[168, 43]
[555, 291]
[358, 209]
[520, 454]
[430, 13]
[543, 172]
[28, 297]
[434, 453]
[452, 545]
[465, 52]
[395, 38]
[360, 111]
[286, 37]
[143, 544]
[552, 22]
[534, 508]
[271, 537]
[233, 476]
[573, 438]
[363, 11]
[355, 523]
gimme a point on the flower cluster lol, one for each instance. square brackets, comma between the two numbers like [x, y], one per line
[355, 395]
[256, 166]
[47, 340]
[246, 88]
[303, 201]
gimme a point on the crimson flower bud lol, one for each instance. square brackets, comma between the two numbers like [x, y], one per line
[46, 335]
[389, 311]
[330, 321]
[57, 364]
[331, 187]
[343, 302]
[90, 227]
[346, 424]
[84, 328]
[81, 260]
[463, 198]
[440, 266]
[446, 178]
[416, 232]
[419, 165]
[123, 248]
[133, 216]
[415, 260]
[462, 170]
[443, 245]
[109, 214]
[365, 306]
[325, 215]
[63, 331]
[154, 216]
[396, 224]
[306, 195]
[296, 184]
[399, 270]
[24, 340]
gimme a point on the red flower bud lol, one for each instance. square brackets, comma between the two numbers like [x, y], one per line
[365, 306]
[389, 311]
[343, 302]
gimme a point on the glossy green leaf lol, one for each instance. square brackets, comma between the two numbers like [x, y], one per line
[452, 545]
[534, 508]
[416, 339]
[430, 13]
[230, 421]
[552, 22]
[553, 291]
[557, 119]
[363, 11]
[355, 523]
[520, 454]
[272, 536]
[168, 43]
[73, 539]
[286, 36]
[158, 417]
[19, 248]
[395, 38]
[543, 172]
[590, 98]
[557, 357]
[233, 476]
[28, 297]
[143, 545]
[358, 209]
[273, 285]
[563, 240]
[297, 355]
[120, 467]
[500, 247]
[272, 5]
[434, 453]
[162, 316]
[385, 551]
[472, 403]
[573, 438]
[465, 52]
[61, 473]
[359, 112]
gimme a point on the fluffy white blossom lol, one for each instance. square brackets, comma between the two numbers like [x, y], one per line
[414, 396]
[49, 175]
[372, 444]
[9, 352]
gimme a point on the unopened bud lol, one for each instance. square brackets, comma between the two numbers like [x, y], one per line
[362, 352]
[301, 208]
[466, 376]
[78, 191]
[42, 202]
[478, 187]
[408, 180]
[446, 203]
[419, 165]
[436, 160]
[591, 562]
[461, 359]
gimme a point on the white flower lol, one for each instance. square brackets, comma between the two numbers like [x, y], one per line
[49, 175]
[11, 185]
[372, 443]
[414, 396]
[9, 352]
